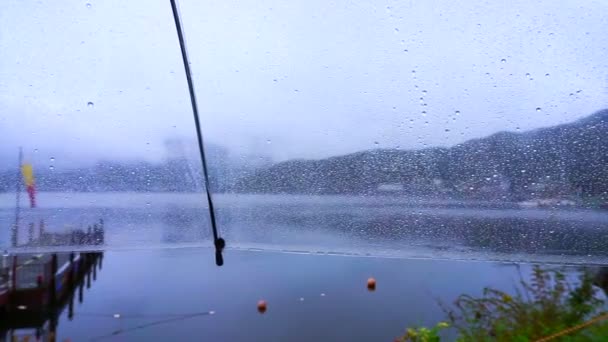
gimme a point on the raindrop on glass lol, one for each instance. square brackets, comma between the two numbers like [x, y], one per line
[52, 159]
[90, 104]
[376, 143]
[503, 60]
[538, 109]
[51, 168]
[457, 112]
[89, 5]
[269, 141]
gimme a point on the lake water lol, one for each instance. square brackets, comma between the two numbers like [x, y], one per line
[369, 226]
[310, 297]
[308, 256]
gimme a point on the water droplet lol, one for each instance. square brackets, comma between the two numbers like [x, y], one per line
[547, 75]
[89, 5]
[274, 80]
[457, 112]
[322, 294]
[268, 141]
[90, 104]
[51, 168]
[523, 171]
[447, 129]
[35, 150]
[517, 128]
[424, 92]
[528, 75]
[538, 109]
[503, 60]
[148, 204]
[52, 159]
[301, 299]
[396, 30]
[376, 143]
[132, 172]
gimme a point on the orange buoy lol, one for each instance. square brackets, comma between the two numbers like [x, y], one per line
[262, 306]
[371, 284]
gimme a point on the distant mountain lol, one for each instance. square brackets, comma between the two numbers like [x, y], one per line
[564, 160]
[181, 171]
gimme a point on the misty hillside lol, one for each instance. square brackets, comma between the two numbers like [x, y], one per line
[564, 160]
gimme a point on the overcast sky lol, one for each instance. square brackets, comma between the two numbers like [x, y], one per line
[291, 79]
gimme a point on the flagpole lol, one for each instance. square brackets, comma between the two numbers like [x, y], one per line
[18, 200]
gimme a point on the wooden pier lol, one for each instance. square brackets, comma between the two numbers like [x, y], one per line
[38, 288]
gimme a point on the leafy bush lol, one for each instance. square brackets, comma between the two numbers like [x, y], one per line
[545, 305]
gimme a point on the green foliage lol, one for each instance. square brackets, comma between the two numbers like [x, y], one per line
[423, 334]
[544, 305]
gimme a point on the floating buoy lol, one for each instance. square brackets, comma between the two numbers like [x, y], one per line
[371, 284]
[262, 306]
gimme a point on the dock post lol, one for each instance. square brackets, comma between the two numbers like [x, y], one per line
[71, 308]
[94, 266]
[88, 270]
[81, 293]
[53, 289]
[72, 271]
[14, 235]
[14, 280]
[41, 229]
[30, 233]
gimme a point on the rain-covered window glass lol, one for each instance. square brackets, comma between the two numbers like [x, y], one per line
[462, 129]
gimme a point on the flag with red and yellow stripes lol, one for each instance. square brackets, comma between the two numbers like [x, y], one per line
[28, 178]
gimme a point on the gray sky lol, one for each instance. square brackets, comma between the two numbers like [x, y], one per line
[291, 79]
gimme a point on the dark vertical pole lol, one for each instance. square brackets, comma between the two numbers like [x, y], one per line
[81, 293]
[14, 273]
[30, 233]
[72, 271]
[17, 199]
[217, 240]
[95, 268]
[53, 329]
[100, 260]
[88, 269]
[71, 308]
[41, 229]
[53, 284]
